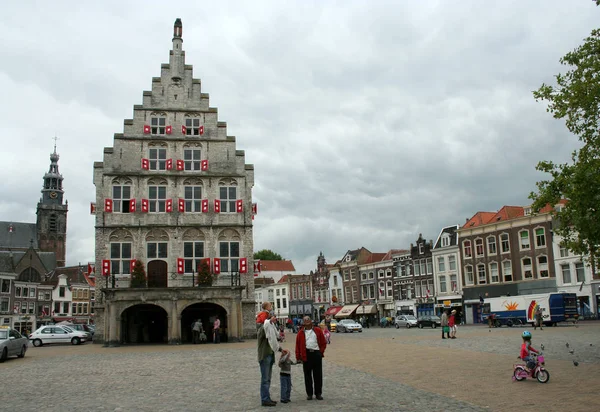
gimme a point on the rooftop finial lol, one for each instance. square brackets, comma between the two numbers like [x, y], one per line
[55, 139]
[177, 28]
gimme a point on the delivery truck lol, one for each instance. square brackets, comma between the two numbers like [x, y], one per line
[515, 310]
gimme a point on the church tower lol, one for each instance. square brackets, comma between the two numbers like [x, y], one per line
[52, 214]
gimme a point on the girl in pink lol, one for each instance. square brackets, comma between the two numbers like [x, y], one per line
[452, 325]
[325, 332]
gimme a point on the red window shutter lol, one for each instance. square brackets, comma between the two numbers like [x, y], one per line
[243, 265]
[145, 164]
[131, 205]
[217, 206]
[145, 205]
[204, 165]
[146, 129]
[132, 265]
[217, 266]
[105, 267]
[183, 129]
[179, 164]
[254, 208]
[239, 205]
[169, 205]
[204, 205]
[108, 205]
[201, 129]
[180, 266]
[181, 205]
[257, 266]
[169, 130]
[169, 164]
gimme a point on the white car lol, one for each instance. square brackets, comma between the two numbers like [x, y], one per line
[348, 325]
[408, 321]
[57, 334]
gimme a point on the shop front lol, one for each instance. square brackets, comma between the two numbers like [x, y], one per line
[450, 303]
[347, 311]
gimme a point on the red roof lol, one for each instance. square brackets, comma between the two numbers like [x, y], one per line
[284, 279]
[478, 219]
[508, 213]
[375, 257]
[277, 266]
[548, 208]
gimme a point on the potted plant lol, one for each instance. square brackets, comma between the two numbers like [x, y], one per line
[205, 276]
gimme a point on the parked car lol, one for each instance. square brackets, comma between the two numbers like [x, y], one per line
[12, 343]
[406, 321]
[429, 321]
[57, 334]
[80, 327]
[348, 325]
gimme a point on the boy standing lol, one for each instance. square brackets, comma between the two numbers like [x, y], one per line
[285, 375]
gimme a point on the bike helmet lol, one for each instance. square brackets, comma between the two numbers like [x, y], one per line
[526, 335]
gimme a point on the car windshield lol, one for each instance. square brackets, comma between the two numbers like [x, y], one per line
[4, 334]
[410, 317]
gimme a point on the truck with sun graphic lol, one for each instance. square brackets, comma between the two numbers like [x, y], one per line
[511, 310]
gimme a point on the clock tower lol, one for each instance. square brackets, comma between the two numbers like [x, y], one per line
[52, 214]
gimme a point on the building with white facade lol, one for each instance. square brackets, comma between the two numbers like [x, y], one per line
[446, 269]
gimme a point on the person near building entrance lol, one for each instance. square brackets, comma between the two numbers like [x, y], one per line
[196, 331]
[310, 350]
[217, 330]
[444, 323]
[267, 346]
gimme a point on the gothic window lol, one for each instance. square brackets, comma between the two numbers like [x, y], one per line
[193, 198]
[120, 258]
[158, 125]
[191, 159]
[158, 159]
[193, 252]
[156, 250]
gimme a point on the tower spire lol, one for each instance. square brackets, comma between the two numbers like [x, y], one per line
[177, 56]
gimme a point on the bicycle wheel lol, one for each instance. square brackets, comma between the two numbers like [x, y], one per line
[543, 376]
[519, 373]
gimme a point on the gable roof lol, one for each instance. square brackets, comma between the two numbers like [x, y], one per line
[508, 213]
[375, 257]
[18, 235]
[284, 279]
[277, 266]
[548, 208]
[392, 252]
[478, 219]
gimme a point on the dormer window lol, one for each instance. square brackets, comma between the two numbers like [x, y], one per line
[527, 211]
[421, 249]
[445, 240]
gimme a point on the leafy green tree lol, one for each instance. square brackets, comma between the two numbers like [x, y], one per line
[138, 275]
[267, 254]
[576, 99]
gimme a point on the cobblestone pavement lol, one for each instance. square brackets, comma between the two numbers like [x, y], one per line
[378, 370]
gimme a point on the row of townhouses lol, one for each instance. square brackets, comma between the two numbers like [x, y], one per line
[509, 252]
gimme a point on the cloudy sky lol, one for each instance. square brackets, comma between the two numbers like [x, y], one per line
[368, 122]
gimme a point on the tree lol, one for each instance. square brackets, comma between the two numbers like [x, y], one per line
[138, 275]
[205, 277]
[576, 98]
[267, 254]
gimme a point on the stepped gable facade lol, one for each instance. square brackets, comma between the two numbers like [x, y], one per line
[173, 191]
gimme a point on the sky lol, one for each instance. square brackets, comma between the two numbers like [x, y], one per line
[368, 122]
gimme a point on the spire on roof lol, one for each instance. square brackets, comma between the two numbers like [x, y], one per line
[176, 62]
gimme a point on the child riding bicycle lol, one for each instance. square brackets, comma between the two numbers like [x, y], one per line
[526, 350]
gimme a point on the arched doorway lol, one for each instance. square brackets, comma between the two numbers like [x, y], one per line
[207, 313]
[157, 274]
[144, 324]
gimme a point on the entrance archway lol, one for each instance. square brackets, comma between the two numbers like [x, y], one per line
[157, 274]
[144, 324]
[207, 313]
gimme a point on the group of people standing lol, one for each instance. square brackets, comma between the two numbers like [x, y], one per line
[199, 336]
[449, 324]
[310, 350]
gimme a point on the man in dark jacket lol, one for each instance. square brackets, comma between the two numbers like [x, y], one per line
[310, 349]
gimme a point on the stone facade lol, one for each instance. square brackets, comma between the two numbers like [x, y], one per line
[174, 190]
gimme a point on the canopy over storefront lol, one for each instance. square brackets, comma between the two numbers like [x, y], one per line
[346, 311]
[332, 311]
[367, 310]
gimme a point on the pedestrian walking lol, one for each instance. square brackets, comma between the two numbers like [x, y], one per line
[285, 376]
[196, 331]
[217, 330]
[452, 324]
[538, 318]
[310, 350]
[267, 347]
[444, 322]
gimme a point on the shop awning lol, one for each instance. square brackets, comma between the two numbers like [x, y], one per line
[346, 311]
[333, 310]
[366, 310]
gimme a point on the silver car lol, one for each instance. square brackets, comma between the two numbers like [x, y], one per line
[12, 343]
[348, 325]
[407, 321]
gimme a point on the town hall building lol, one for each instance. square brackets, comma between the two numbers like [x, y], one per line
[173, 192]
